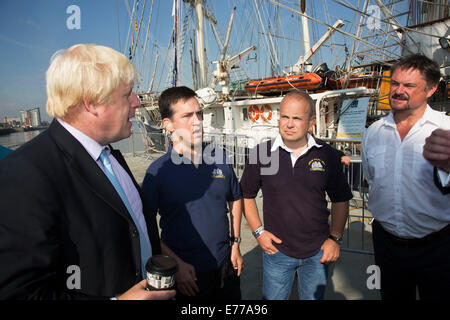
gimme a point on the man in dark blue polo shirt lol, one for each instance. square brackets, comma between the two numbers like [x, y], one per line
[296, 236]
[192, 187]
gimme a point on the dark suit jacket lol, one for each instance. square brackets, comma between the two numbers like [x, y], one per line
[444, 190]
[59, 212]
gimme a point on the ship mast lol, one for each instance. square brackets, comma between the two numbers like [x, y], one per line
[201, 57]
[175, 38]
[305, 32]
[299, 66]
[199, 31]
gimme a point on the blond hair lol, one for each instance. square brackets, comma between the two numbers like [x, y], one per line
[85, 71]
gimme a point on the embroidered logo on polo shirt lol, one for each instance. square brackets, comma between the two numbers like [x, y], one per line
[316, 165]
[217, 174]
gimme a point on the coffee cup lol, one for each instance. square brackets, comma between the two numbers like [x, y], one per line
[161, 270]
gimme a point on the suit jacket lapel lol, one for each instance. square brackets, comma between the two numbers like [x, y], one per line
[87, 169]
[150, 217]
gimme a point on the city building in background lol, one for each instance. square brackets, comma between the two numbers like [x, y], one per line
[30, 118]
[24, 119]
[12, 121]
[35, 116]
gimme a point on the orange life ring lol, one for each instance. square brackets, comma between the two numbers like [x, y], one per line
[262, 112]
[253, 113]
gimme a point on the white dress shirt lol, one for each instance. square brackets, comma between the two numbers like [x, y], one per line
[94, 149]
[278, 143]
[403, 196]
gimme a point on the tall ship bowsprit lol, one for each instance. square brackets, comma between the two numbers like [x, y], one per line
[244, 111]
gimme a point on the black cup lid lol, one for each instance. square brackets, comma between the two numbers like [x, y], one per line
[162, 265]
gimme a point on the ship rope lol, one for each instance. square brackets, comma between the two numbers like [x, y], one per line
[391, 23]
[340, 31]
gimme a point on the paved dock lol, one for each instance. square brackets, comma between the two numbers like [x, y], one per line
[348, 276]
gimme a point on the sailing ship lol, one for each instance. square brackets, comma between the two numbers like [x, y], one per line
[248, 114]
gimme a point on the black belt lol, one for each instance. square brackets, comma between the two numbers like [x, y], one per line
[415, 242]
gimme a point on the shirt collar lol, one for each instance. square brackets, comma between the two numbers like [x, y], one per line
[205, 157]
[92, 147]
[429, 115]
[278, 143]
[432, 116]
[389, 120]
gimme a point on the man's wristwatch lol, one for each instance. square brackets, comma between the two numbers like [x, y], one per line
[235, 239]
[338, 240]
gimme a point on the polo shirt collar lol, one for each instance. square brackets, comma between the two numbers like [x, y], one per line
[278, 143]
[172, 152]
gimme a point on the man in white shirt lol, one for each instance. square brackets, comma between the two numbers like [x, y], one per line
[411, 231]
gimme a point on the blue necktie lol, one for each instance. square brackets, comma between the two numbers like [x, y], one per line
[145, 246]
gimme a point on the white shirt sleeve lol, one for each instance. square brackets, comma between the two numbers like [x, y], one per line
[365, 165]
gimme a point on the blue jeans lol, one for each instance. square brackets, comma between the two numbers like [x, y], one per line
[279, 271]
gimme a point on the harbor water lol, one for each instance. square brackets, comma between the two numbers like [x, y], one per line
[16, 139]
[135, 143]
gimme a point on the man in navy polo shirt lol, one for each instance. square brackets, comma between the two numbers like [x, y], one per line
[191, 186]
[296, 236]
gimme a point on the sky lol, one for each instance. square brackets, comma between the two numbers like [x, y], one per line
[31, 31]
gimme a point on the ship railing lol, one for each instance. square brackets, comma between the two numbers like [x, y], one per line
[358, 231]
[234, 145]
[143, 143]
